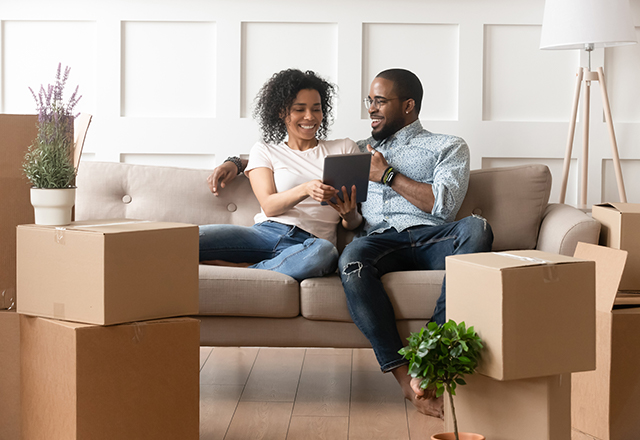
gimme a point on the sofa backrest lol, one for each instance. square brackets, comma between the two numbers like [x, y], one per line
[117, 190]
[512, 199]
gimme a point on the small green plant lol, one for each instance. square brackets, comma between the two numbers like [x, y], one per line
[441, 355]
[48, 162]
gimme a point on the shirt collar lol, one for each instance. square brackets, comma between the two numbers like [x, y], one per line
[404, 134]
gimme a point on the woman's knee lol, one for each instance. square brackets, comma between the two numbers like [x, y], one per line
[324, 257]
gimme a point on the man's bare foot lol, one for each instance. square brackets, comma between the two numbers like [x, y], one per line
[424, 402]
[225, 263]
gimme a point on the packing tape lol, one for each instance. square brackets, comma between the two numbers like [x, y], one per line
[137, 331]
[549, 269]
[59, 311]
[60, 231]
[60, 236]
[523, 258]
[8, 299]
[111, 224]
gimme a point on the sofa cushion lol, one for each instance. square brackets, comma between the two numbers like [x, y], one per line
[236, 291]
[513, 200]
[413, 295]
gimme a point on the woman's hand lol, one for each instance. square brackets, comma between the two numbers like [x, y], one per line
[348, 209]
[318, 191]
[222, 175]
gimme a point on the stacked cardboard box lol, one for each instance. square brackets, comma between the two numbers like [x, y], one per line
[620, 229]
[103, 355]
[535, 313]
[9, 375]
[606, 402]
[17, 132]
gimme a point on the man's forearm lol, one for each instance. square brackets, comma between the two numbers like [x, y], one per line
[418, 193]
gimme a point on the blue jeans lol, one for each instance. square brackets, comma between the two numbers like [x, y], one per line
[366, 259]
[272, 246]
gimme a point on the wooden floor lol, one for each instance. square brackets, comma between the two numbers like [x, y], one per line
[297, 393]
[310, 394]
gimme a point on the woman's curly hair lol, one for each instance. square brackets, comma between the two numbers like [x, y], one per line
[275, 99]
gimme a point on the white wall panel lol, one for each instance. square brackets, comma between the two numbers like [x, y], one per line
[168, 69]
[622, 74]
[172, 83]
[431, 52]
[268, 48]
[30, 56]
[522, 82]
[630, 176]
[198, 161]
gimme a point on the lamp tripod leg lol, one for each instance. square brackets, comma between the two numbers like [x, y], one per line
[584, 170]
[572, 128]
[612, 136]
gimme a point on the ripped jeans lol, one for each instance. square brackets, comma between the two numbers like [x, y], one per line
[366, 259]
[272, 246]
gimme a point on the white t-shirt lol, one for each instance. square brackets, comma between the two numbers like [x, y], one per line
[292, 168]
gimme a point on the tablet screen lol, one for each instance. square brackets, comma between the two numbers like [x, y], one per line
[347, 170]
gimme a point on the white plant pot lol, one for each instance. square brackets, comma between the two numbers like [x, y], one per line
[53, 206]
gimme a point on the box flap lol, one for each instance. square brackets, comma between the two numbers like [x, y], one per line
[609, 266]
[622, 207]
[628, 299]
[509, 259]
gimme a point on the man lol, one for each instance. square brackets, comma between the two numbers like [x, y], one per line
[418, 181]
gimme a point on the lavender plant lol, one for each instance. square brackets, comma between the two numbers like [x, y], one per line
[48, 162]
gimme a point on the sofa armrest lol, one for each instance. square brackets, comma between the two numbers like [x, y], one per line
[563, 226]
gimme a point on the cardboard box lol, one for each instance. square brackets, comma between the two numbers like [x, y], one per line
[526, 409]
[130, 381]
[108, 271]
[606, 402]
[534, 311]
[9, 375]
[621, 230]
[17, 132]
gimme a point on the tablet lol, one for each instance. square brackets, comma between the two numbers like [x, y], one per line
[347, 170]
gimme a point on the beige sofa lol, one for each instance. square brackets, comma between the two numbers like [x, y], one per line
[249, 307]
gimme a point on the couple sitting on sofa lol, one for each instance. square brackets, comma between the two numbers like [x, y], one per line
[418, 181]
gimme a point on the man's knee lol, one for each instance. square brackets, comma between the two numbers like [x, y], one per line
[478, 233]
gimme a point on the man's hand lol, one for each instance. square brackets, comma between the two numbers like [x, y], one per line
[222, 175]
[347, 208]
[378, 165]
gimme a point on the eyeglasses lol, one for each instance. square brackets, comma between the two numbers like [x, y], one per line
[376, 102]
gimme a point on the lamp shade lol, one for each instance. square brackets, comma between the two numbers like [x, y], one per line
[571, 24]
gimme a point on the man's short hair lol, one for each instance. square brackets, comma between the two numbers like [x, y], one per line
[406, 84]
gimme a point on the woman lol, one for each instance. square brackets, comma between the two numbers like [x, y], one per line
[294, 234]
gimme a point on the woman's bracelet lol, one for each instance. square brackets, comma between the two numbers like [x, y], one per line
[236, 161]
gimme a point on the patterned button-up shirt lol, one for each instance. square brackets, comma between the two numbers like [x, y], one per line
[439, 160]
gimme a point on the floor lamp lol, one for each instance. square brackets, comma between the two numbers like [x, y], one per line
[586, 25]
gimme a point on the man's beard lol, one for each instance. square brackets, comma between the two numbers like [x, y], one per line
[390, 128]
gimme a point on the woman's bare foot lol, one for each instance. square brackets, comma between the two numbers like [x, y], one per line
[424, 402]
[225, 263]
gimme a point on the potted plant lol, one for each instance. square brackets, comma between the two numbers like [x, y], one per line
[441, 355]
[48, 163]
